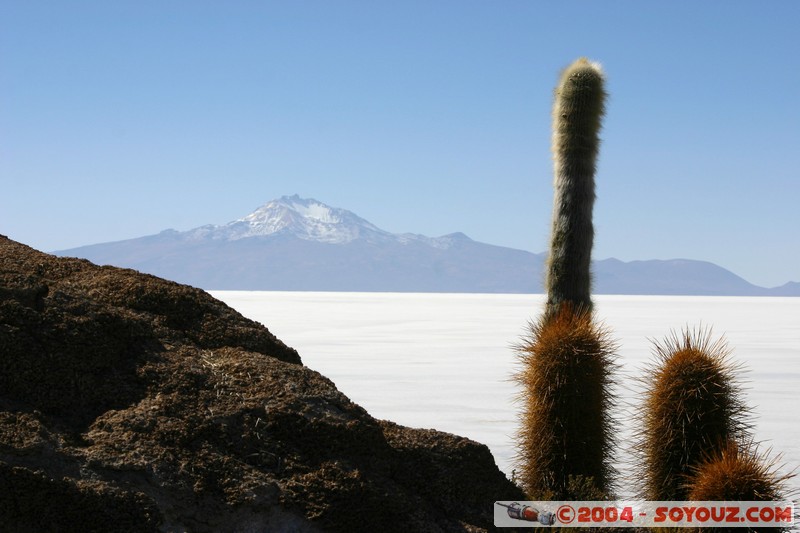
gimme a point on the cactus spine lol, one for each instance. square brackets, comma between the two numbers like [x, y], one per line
[565, 438]
[577, 114]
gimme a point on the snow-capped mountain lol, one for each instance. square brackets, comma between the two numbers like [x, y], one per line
[310, 220]
[294, 243]
[306, 219]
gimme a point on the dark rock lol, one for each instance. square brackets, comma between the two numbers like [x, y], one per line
[130, 403]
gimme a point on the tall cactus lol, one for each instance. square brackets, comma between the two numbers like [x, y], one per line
[565, 438]
[577, 114]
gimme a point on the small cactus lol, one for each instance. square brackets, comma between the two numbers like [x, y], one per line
[565, 439]
[577, 113]
[737, 473]
[692, 408]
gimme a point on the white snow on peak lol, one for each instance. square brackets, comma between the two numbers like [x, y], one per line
[307, 219]
[283, 210]
[316, 211]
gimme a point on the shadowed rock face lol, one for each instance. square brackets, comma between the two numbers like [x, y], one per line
[130, 403]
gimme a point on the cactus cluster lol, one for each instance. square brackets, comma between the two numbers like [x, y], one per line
[694, 438]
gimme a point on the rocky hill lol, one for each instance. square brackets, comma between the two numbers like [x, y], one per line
[130, 403]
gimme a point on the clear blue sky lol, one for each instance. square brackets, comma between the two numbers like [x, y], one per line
[123, 118]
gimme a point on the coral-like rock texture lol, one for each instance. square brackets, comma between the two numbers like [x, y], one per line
[131, 403]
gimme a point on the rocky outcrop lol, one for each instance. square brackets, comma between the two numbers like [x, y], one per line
[130, 403]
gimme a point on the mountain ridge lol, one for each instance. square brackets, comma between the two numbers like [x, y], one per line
[295, 243]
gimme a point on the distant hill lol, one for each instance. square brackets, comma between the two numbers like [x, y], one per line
[298, 244]
[677, 277]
